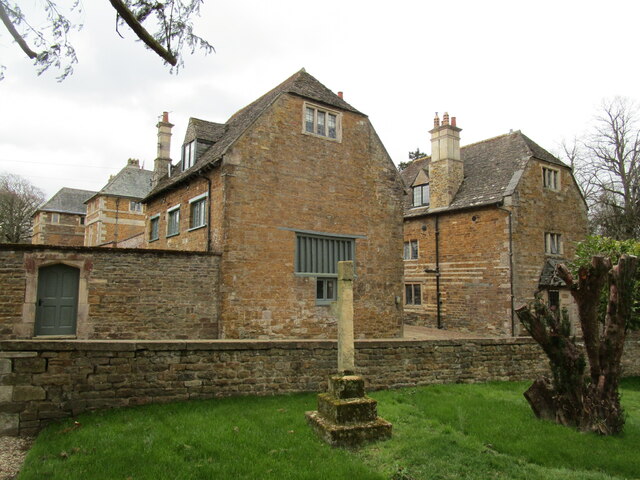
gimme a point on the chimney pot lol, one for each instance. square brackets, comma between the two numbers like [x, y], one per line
[453, 121]
[445, 118]
[436, 121]
[165, 117]
[340, 94]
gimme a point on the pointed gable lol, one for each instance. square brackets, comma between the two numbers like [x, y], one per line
[301, 83]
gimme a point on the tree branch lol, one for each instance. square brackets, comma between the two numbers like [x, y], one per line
[142, 33]
[14, 33]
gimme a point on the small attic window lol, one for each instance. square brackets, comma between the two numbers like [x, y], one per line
[421, 195]
[188, 155]
[321, 122]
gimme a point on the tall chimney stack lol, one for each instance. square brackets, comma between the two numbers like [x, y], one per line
[163, 160]
[446, 170]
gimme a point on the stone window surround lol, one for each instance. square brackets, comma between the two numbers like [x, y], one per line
[326, 299]
[320, 108]
[555, 182]
[408, 250]
[554, 237]
[135, 207]
[33, 262]
[414, 290]
[169, 212]
[195, 199]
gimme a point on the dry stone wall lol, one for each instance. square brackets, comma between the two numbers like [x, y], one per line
[41, 381]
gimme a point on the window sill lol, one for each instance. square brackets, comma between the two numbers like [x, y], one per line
[196, 228]
[151, 240]
[337, 140]
[324, 303]
[173, 235]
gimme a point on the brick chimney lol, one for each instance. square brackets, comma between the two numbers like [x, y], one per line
[163, 161]
[445, 169]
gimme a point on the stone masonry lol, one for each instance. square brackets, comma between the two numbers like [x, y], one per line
[123, 294]
[41, 381]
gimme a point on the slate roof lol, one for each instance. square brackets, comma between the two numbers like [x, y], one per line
[548, 277]
[301, 83]
[132, 181]
[492, 170]
[67, 200]
[207, 131]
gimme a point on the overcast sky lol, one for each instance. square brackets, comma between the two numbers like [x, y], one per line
[542, 67]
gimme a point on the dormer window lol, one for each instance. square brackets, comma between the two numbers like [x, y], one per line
[188, 155]
[421, 195]
[321, 122]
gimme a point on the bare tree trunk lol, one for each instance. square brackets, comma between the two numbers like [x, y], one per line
[569, 398]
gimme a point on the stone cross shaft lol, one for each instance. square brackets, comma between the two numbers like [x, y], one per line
[346, 351]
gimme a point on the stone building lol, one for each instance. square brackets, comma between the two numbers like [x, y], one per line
[115, 214]
[287, 187]
[61, 219]
[484, 226]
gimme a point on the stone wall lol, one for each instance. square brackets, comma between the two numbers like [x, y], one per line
[67, 231]
[41, 381]
[475, 283]
[123, 294]
[277, 179]
[537, 210]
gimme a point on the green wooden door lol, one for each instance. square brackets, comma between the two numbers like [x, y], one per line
[57, 301]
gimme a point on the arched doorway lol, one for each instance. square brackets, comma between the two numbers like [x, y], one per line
[57, 300]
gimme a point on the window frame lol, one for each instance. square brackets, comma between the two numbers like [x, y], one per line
[155, 219]
[170, 211]
[420, 188]
[326, 299]
[410, 250]
[551, 239]
[55, 217]
[135, 207]
[200, 199]
[413, 288]
[327, 114]
[551, 178]
[189, 160]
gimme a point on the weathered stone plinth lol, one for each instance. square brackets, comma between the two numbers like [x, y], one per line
[346, 417]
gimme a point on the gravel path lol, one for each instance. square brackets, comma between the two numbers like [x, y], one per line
[12, 453]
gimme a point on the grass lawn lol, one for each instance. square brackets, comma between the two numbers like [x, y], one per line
[439, 432]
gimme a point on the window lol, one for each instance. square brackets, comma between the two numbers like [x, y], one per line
[554, 300]
[55, 218]
[173, 221]
[153, 227]
[318, 256]
[321, 122]
[421, 195]
[198, 212]
[553, 243]
[412, 294]
[411, 250]
[188, 154]
[550, 178]
[326, 290]
[81, 220]
[135, 206]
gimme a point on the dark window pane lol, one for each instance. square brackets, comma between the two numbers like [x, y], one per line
[320, 130]
[417, 298]
[330, 289]
[414, 249]
[309, 120]
[320, 289]
[332, 126]
[408, 291]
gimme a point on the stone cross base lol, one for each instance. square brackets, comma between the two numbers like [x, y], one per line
[346, 417]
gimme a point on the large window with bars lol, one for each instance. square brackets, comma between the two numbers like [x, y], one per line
[318, 256]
